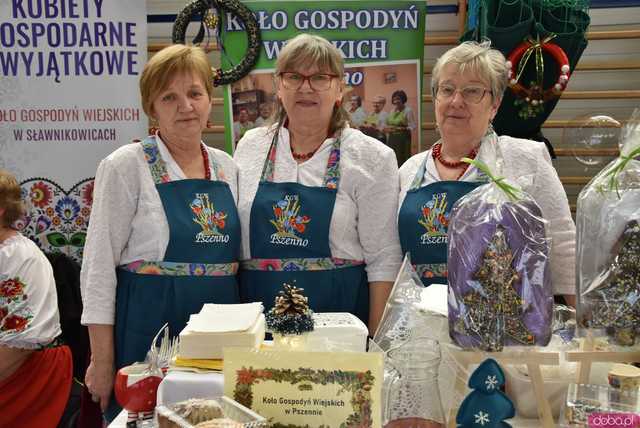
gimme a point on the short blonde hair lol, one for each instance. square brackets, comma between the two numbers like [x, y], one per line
[10, 199]
[489, 64]
[168, 63]
[307, 51]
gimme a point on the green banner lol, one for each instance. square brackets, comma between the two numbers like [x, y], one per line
[382, 43]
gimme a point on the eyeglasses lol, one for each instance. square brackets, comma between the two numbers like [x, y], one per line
[470, 94]
[318, 82]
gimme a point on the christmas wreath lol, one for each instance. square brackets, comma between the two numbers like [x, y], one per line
[531, 99]
[211, 11]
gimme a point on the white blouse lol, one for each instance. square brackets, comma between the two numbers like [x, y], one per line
[363, 223]
[128, 222]
[29, 316]
[527, 163]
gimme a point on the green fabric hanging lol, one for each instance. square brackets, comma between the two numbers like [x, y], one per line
[507, 23]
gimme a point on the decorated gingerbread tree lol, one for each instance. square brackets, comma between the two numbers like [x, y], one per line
[616, 299]
[495, 309]
[486, 406]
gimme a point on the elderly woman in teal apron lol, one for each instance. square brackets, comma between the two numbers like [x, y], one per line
[399, 124]
[316, 196]
[164, 236]
[467, 86]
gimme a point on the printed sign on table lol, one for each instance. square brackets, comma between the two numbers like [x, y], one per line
[307, 389]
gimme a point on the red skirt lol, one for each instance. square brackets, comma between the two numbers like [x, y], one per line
[36, 395]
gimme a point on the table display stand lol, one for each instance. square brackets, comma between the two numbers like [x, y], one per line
[532, 359]
[586, 356]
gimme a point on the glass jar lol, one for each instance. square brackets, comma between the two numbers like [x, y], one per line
[411, 389]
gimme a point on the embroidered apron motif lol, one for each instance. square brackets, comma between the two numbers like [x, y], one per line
[423, 223]
[289, 229]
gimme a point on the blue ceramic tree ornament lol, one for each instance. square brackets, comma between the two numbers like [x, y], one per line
[486, 406]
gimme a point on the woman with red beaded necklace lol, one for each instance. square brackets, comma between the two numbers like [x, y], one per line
[467, 85]
[317, 198]
[164, 229]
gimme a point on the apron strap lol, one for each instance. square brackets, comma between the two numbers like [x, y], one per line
[180, 269]
[299, 264]
[419, 177]
[332, 173]
[158, 167]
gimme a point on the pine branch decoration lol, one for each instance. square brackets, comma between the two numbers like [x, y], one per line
[496, 309]
[616, 302]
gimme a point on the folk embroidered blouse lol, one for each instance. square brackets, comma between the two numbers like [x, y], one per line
[128, 222]
[29, 316]
[363, 224]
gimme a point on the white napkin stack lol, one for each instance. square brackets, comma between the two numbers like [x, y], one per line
[218, 326]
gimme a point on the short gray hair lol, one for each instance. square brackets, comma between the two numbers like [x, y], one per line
[307, 51]
[489, 64]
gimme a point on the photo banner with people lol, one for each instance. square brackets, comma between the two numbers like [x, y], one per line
[69, 96]
[383, 46]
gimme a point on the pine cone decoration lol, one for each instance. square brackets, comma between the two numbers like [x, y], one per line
[291, 301]
[291, 313]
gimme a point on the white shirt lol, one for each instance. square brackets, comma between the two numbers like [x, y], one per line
[527, 163]
[260, 121]
[357, 117]
[363, 223]
[28, 298]
[128, 222]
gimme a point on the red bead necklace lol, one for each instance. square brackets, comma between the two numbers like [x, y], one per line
[303, 156]
[205, 158]
[436, 153]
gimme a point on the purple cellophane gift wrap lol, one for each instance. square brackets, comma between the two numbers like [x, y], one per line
[500, 290]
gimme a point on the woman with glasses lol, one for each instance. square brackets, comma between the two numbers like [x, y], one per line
[317, 199]
[399, 124]
[467, 85]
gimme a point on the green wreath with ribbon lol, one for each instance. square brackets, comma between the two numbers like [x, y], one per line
[531, 99]
[211, 19]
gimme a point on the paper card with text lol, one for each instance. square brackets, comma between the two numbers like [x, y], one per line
[307, 389]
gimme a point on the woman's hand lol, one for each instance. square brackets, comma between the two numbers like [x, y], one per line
[99, 380]
[413, 423]
[378, 295]
[101, 371]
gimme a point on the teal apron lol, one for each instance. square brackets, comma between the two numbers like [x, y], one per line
[199, 265]
[289, 229]
[422, 224]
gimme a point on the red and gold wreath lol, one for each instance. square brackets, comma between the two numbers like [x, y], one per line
[532, 98]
